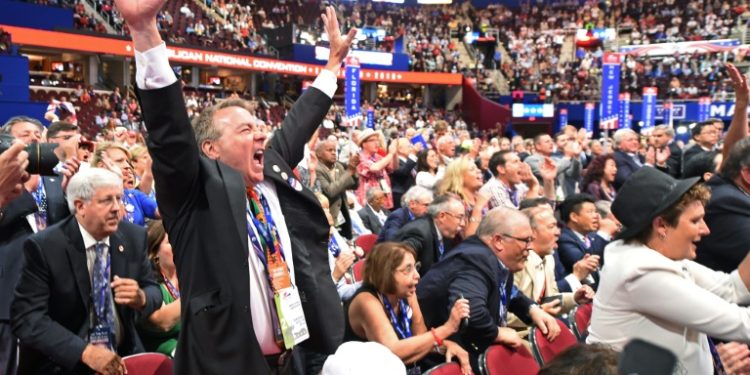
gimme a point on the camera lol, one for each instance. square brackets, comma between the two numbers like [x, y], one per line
[42, 158]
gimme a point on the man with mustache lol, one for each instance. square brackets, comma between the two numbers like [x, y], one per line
[85, 283]
[250, 241]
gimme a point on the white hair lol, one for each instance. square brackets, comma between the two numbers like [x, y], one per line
[501, 220]
[85, 183]
[416, 192]
[620, 134]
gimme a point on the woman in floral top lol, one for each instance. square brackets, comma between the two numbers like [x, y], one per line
[373, 168]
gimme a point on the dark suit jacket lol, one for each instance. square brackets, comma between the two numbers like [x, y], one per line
[728, 217]
[690, 152]
[562, 284]
[571, 249]
[402, 179]
[15, 229]
[370, 219]
[625, 167]
[53, 298]
[422, 236]
[395, 221]
[471, 270]
[335, 191]
[674, 163]
[202, 203]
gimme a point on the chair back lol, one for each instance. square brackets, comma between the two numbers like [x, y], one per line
[148, 364]
[579, 320]
[366, 242]
[544, 350]
[451, 368]
[503, 360]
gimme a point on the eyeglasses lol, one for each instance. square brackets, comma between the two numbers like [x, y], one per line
[460, 217]
[526, 241]
[408, 270]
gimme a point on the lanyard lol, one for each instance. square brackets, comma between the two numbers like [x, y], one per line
[173, 291]
[268, 230]
[501, 283]
[402, 327]
[333, 247]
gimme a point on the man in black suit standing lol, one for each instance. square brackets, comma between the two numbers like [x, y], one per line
[662, 139]
[432, 236]
[373, 214]
[403, 177]
[240, 253]
[85, 282]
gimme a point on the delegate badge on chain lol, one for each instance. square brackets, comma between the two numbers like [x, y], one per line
[291, 316]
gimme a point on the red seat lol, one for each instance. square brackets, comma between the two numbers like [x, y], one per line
[148, 364]
[451, 368]
[366, 242]
[579, 320]
[502, 360]
[358, 268]
[544, 351]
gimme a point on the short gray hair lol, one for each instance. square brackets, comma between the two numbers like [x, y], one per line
[442, 203]
[501, 220]
[18, 119]
[417, 192]
[203, 125]
[370, 194]
[534, 213]
[620, 134]
[604, 208]
[85, 183]
[668, 130]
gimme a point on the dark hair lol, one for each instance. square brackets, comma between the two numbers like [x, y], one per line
[580, 359]
[700, 164]
[155, 236]
[533, 202]
[672, 214]
[538, 138]
[422, 165]
[59, 126]
[595, 171]
[497, 160]
[696, 130]
[381, 264]
[738, 158]
[574, 203]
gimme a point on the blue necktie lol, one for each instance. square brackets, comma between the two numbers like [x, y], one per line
[104, 313]
[441, 249]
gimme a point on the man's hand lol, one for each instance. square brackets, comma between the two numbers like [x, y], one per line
[651, 155]
[545, 323]
[527, 177]
[739, 83]
[552, 308]
[127, 292]
[353, 163]
[662, 155]
[13, 163]
[508, 337]
[735, 357]
[343, 263]
[585, 266]
[584, 295]
[70, 168]
[338, 45]
[68, 148]
[103, 361]
[548, 169]
[140, 16]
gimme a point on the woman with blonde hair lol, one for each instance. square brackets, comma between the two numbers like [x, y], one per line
[464, 179]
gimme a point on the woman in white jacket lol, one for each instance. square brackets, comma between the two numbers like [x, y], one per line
[651, 289]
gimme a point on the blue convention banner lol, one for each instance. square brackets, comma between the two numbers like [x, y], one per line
[370, 118]
[588, 117]
[667, 113]
[353, 112]
[648, 115]
[624, 116]
[610, 91]
[704, 105]
[563, 119]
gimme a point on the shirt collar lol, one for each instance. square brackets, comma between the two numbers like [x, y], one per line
[89, 240]
[437, 230]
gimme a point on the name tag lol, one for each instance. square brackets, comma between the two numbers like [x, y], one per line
[101, 336]
[291, 316]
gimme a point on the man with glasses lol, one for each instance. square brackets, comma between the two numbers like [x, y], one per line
[416, 201]
[481, 270]
[706, 137]
[432, 236]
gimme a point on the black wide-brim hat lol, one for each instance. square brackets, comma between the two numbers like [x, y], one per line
[646, 194]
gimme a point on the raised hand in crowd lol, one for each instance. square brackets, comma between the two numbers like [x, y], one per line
[662, 155]
[584, 294]
[70, 168]
[338, 44]
[13, 163]
[454, 350]
[585, 266]
[353, 163]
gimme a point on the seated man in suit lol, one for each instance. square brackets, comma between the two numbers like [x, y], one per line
[481, 270]
[579, 238]
[432, 236]
[416, 200]
[85, 282]
[626, 155]
[537, 279]
[373, 215]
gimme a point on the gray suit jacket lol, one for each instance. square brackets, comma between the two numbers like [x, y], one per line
[335, 191]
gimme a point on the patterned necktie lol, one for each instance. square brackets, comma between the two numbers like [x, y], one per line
[718, 366]
[104, 314]
[40, 196]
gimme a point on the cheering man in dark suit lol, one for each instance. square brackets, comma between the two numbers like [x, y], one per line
[245, 261]
[85, 282]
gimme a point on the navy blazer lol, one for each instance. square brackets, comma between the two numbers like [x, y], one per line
[562, 284]
[471, 270]
[571, 249]
[53, 298]
[728, 217]
[402, 178]
[421, 235]
[397, 219]
[625, 167]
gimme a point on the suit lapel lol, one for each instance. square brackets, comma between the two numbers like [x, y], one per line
[77, 257]
[117, 256]
[276, 169]
[235, 188]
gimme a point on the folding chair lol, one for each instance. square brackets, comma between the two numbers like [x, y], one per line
[579, 320]
[502, 360]
[451, 368]
[543, 350]
[148, 364]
